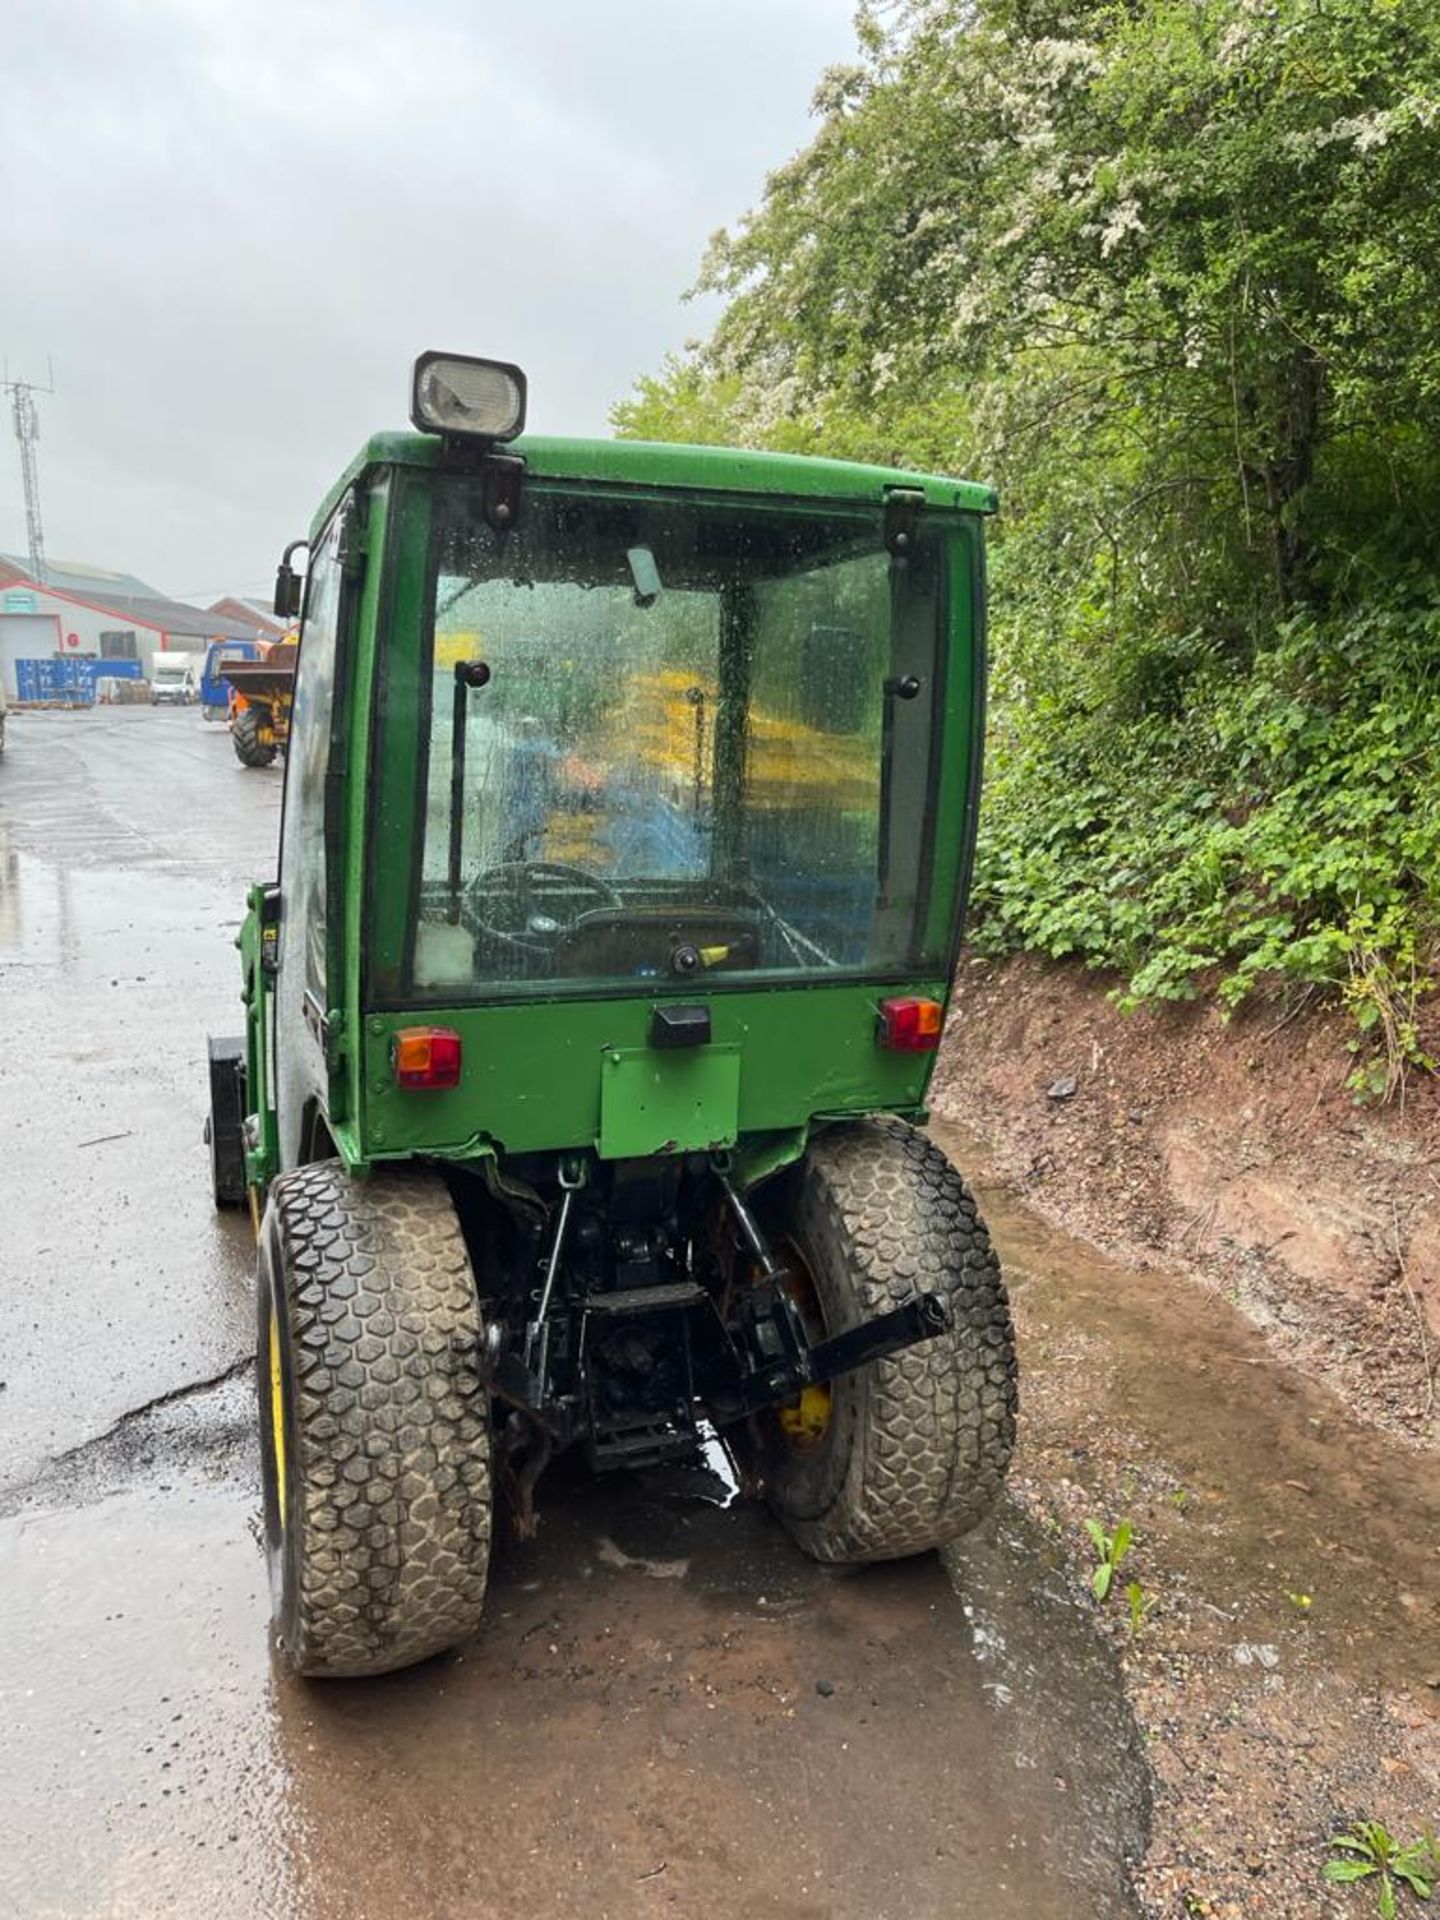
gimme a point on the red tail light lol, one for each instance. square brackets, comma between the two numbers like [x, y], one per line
[910, 1026]
[426, 1057]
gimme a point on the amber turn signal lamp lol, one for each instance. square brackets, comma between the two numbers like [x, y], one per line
[910, 1026]
[426, 1057]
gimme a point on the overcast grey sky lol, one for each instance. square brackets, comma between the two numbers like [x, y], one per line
[233, 224]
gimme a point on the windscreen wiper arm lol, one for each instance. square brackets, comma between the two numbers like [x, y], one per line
[798, 940]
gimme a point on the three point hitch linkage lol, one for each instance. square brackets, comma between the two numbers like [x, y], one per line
[761, 1359]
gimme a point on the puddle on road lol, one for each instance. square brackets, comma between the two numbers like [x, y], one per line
[105, 928]
[748, 1734]
[137, 790]
[144, 1771]
[751, 1734]
[124, 851]
[121, 1278]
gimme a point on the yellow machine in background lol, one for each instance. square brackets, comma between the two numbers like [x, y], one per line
[667, 720]
[262, 693]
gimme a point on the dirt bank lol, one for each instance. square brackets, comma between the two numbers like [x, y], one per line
[1247, 1381]
[1234, 1150]
[1284, 1667]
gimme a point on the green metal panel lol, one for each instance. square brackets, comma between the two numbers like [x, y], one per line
[533, 1072]
[399, 707]
[352, 742]
[649, 464]
[957, 793]
[668, 1101]
[263, 1159]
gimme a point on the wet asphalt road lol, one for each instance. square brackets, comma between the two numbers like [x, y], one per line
[641, 1730]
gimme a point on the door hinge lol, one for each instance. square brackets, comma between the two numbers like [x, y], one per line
[902, 515]
[328, 1028]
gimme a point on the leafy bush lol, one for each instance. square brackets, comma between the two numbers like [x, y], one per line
[1279, 828]
[1169, 274]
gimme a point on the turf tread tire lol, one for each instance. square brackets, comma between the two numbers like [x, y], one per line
[385, 1552]
[246, 732]
[919, 1444]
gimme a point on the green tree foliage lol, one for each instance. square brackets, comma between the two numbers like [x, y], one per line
[1168, 272]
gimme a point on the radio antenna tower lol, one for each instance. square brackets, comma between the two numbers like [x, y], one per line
[26, 418]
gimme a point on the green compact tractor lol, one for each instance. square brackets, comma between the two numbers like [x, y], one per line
[628, 817]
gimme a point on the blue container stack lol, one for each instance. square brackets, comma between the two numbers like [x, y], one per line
[67, 683]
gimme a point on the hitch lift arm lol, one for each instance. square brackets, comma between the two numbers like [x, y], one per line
[775, 1358]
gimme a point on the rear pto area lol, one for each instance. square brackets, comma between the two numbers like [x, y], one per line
[377, 1436]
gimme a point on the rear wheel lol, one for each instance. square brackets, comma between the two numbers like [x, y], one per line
[374, 1421]
[909, 1452]
[254, 737]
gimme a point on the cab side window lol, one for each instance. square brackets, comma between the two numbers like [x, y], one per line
[302, 853]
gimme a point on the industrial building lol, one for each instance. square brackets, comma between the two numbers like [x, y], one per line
[257, 613]
[83, 612]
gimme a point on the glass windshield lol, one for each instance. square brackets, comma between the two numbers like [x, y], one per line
[672, 738]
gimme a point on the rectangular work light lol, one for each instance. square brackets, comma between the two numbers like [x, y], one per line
[467, 399]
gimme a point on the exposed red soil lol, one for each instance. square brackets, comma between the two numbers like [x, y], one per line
[1234, 1148]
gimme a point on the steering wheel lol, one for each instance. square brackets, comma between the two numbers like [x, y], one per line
[517, 902]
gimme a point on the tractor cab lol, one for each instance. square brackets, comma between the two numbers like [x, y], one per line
[630, 800]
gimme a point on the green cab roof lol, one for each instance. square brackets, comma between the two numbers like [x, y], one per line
[648, 463]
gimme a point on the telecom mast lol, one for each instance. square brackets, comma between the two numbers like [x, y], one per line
[26, 417]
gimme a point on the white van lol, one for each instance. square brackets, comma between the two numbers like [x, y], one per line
[174, 680]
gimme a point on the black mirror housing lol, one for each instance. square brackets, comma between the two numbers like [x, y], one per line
[287, 591]
[289, 585]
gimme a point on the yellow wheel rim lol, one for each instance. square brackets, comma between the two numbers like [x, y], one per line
[805, 1421]
[277, 1417]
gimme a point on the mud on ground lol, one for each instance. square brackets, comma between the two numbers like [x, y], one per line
[1246, 1381]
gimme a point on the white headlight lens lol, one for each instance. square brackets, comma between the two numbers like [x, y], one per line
[480, 399]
